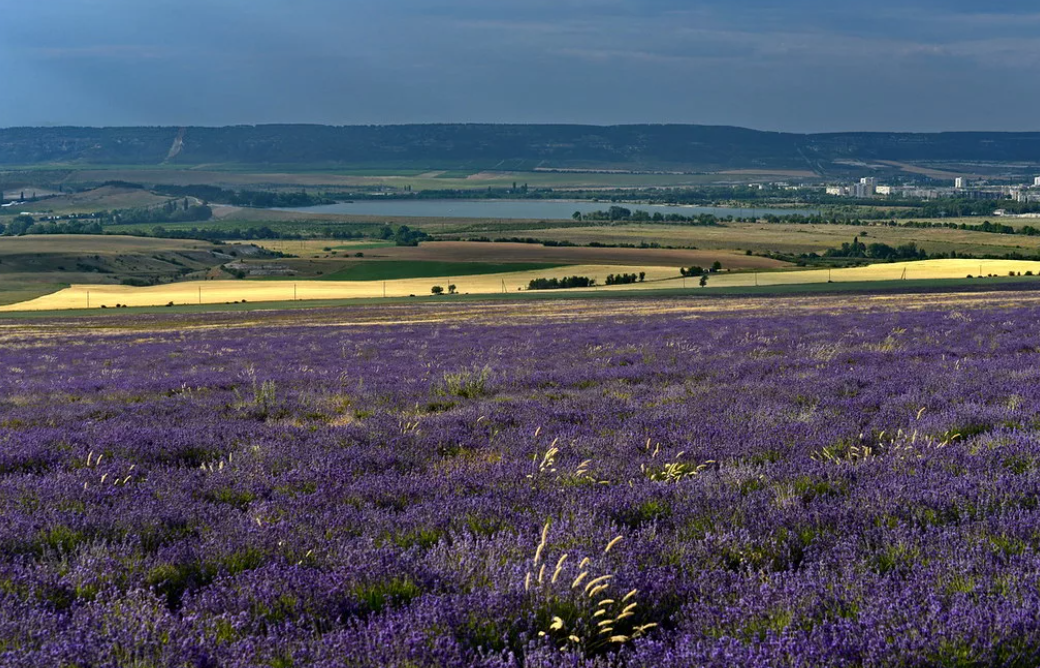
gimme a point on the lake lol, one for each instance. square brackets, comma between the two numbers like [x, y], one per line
[523, 209]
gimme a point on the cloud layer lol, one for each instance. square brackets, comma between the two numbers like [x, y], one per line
[808, 66]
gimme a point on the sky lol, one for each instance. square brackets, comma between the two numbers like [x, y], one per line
[795, 66]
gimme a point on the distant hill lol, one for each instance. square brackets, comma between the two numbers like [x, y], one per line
[503, 147]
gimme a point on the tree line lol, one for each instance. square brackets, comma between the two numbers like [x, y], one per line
[625, 279]
[623, 214]
[877, 251]
[561, 283]
[261, 199]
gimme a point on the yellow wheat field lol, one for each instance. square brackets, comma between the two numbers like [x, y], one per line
[919, 270]
[219, 292]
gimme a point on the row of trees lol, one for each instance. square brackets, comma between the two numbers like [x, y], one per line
[248, 198]
[170, 212]
[695, 270]
[625, 279]
[622, 214]
[403, 235]
[561, 283]
[27, 225]
[877, 251]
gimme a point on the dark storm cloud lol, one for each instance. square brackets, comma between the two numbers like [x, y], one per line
[806, 65]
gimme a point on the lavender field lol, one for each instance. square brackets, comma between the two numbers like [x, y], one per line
[802, 483]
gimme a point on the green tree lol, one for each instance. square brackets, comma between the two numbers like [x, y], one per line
[437, 290]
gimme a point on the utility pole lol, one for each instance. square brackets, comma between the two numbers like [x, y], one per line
[384, 289]
[294, 292]
[88, 298]
[200, 294]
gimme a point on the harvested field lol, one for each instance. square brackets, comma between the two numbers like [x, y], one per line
[793, 238]
[463, 251]
[98, 199]
[92, 244]
[386, 270]
[928, 171]
[470, 251]
[316, 247]
[779, 173]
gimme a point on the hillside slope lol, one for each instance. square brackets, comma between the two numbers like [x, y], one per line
[504, 147]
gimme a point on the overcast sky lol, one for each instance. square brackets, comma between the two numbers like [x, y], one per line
[797, 65]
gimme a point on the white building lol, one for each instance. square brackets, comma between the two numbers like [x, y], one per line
[1036, 182]
[866, 187]
[958, 183]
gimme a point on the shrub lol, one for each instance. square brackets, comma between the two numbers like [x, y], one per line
[583, 616]
[467, 384]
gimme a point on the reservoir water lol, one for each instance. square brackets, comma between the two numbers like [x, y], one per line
[524, 209]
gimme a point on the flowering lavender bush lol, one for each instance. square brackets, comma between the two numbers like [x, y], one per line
[776, 489]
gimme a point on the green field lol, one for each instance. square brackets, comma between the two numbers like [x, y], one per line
[14, 292]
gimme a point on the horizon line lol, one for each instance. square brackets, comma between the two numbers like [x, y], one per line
[507, 124]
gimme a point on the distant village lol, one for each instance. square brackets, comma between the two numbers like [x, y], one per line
[868, 187]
